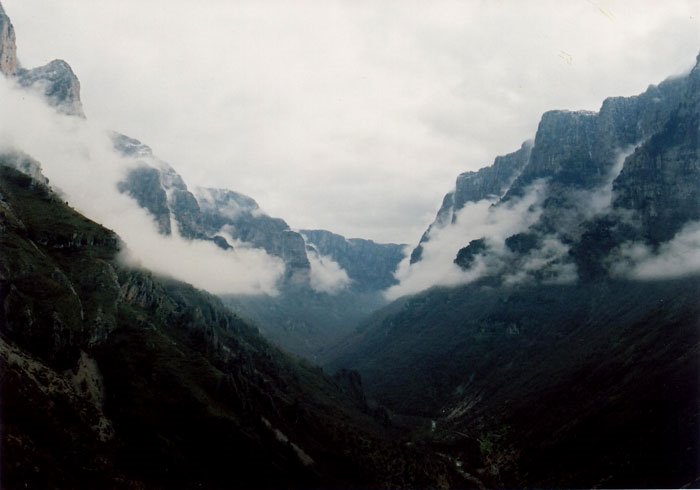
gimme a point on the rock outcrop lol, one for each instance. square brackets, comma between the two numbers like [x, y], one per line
[369, 265]
[488, 183]
[25, 164]
[629, 172]
[55, 80]
[58, 84]
[8, 46]
[241, 217]
[160, 190]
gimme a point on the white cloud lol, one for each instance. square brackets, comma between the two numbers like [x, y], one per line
[349, 116]
[678, 257]
[549, 261]
[599, 200]
[79, 161]
[326, 275]
[474, 221]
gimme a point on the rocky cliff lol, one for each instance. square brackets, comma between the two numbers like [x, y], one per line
[626, 173]
[370, 265]
[159, 189]
[243, 219]
[488, 183]
[55, 80]
[8, 47]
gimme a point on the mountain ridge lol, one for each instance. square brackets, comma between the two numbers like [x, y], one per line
[568, 352]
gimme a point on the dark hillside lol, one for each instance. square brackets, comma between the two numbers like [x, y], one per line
[112, 377]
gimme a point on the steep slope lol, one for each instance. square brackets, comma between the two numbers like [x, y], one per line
[549, 386]
[629, 156]
[8, 46]
[303, 318]
[114, 378]
[488, 182]
[243, 219]
[570, 354]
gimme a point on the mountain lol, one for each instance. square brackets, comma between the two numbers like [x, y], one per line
[59, 84]
[486, 183]
[241, 216]
[307, 315]
[559, 344]
[230, 219]
[112, 377]
[206, 213]
[370, 266]
[55, 80]
[639, 153]
[568, 354]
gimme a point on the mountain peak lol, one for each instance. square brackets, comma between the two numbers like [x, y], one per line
[60, 85]
[55, 80]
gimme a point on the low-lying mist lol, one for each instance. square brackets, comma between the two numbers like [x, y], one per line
[678, 257]
[482, 219]
[81, 164]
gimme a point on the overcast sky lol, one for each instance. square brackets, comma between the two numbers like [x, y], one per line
[350, 116]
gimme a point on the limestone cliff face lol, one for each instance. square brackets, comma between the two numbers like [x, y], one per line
[661, 180]
[159, 189]
[489, 182]
[130, 147]
[8, 47]
[629, 172]
[144, 185]
[55, 80]
[577, 149]
[243, 219]
[57, 83]
[369, 265]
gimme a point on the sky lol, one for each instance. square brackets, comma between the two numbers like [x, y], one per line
[350, 116]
